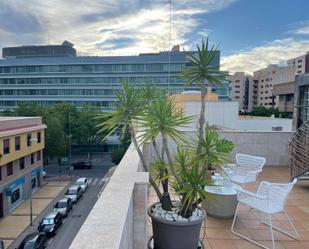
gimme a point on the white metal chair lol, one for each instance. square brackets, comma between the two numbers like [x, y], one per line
[246, 169]
[269, 199]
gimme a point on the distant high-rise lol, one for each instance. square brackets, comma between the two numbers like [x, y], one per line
[47, 78]
[66, 49]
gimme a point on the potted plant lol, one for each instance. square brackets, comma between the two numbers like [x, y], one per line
[151, 116]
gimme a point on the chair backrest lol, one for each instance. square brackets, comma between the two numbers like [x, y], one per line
[276, 193]
[249, 163]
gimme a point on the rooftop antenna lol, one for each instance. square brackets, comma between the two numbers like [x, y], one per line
[169, 47]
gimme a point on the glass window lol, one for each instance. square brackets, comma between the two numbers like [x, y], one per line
[15, 195]
[28, 140]
[22, 163]
[38, 137]
[9, 168]
[33, 183]
[17, 143]
[38, 155]
[32, 158]
[6, 146]
[0, 173]
[48, 221]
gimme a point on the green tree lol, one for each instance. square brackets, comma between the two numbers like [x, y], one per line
[55, 138]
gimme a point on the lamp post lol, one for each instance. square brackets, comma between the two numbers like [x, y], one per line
[30, 205]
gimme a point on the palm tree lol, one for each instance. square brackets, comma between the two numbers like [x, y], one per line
[199, 72]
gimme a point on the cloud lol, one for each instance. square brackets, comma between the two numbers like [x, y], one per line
[303, 28]
[260, 57]
[92, 25]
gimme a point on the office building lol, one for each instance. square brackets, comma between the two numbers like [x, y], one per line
[300, 63]
[92, 80]
[285, 91]
[21, 160]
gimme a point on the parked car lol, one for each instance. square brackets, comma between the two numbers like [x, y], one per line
[74, 192]
[1, 244]
[50, 224]
[82, 165]
[44, 174]
[33, 241]
[63, 206]
[82, 182]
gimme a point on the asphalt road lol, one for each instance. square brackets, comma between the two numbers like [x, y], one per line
[71, 225]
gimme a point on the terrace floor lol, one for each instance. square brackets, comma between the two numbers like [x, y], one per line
[216, 233]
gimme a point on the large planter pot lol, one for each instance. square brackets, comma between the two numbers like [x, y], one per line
[175, 234]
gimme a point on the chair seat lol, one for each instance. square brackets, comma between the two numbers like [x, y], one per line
[261, 205]
[239, 179]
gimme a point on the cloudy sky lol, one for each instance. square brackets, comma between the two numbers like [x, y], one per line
[251, 33]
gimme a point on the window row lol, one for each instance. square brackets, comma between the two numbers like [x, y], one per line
[82, 68]
[6, 142]
[58, 92]
[89, 80]
[34, 157]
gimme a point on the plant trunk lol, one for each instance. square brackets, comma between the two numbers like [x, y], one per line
[169, 159]
[166, 199]
[201, 119]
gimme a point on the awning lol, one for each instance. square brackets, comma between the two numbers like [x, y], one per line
[36, 171]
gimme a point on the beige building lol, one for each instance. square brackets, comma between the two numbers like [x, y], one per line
[285, 91]
[21, 160]
[300, 63]
[264, 81]
[240, 84]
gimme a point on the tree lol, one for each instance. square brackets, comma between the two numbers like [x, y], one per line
[202, 71]
[55, 138]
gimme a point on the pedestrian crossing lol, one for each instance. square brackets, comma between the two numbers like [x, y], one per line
[96, 181]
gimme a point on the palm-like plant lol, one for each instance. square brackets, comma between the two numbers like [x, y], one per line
[130, 106]
[202, 71]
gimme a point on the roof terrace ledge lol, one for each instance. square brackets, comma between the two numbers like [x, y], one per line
[118, 219]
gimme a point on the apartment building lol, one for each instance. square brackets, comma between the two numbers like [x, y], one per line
[21, 160]
[300, 63]
[47, 78]
[240, 85]
[264, 81]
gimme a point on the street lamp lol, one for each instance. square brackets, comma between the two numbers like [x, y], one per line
[31, 212]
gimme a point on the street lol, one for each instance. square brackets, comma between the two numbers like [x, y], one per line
[76, 218]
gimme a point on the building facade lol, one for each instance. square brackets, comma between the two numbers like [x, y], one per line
[301, 100]
[285, 91]
[300, 63]
[91, 80]
[266, 78]
[240, 87]
[21, 160]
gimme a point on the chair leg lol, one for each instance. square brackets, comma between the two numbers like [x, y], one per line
[295, 236]
[242, 236]
[271, 231]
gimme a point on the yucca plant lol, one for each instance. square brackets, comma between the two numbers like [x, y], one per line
[202, 71]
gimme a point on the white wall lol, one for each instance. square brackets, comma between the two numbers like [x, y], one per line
[226, 114]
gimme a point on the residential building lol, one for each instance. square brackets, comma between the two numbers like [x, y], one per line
[285, 91]
[91, 80]
[301, 100]
[300, 63]
[21, 160]
[240, 83]
[265, 79]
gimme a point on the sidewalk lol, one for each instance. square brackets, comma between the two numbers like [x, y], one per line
[14, 224]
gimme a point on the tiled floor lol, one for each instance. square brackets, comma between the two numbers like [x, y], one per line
[217, 231]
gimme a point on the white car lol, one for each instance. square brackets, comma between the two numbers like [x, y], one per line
[82, 182]
[75, 193]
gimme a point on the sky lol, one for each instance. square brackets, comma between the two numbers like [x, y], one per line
[249, 33]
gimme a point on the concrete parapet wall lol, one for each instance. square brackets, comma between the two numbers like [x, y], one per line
[118, 219]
